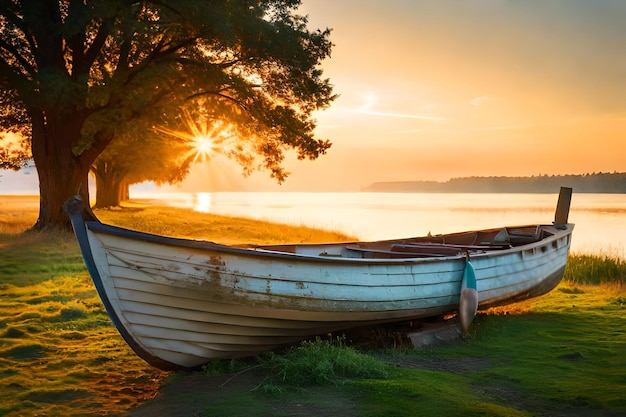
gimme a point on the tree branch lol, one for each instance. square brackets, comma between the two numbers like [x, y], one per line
[238, 102]
[28, 68]
[11, 15]
[90, 55]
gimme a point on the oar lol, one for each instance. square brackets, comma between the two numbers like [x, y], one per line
[468, 304]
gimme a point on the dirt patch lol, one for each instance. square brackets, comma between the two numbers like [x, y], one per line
[187, 393]
[193, 393]
[453, 365]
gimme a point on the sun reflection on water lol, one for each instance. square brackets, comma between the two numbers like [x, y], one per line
[202, 202]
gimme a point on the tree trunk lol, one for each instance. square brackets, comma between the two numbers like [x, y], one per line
[59, 181]
[124, 191]
[61, 173]
[108, 191]
[111, 189]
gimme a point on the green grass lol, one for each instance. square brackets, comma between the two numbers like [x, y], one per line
[318, 362]
[562, 351]
[410, 392]
[33, 258]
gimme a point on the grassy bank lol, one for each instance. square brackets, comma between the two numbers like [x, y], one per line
[561, 354]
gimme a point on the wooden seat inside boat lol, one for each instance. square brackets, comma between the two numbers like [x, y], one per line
[429, 250]
[404, 251]
[503, 238]
[523, 235]
[446, 249]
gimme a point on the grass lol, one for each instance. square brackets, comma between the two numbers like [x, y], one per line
[318, 362]
[595, 269]
[565, 350]
[560, 354]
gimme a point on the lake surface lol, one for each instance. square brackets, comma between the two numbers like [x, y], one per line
[600, 218]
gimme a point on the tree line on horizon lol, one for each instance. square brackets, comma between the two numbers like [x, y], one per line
[613, 183]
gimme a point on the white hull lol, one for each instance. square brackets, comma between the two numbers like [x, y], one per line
[181, 303]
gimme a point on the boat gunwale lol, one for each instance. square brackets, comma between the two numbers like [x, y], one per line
[560, 230]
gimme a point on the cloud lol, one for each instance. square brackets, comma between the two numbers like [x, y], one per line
[367, 108]
[480, 100]
[398, 115]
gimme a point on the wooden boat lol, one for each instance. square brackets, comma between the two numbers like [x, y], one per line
[181, 303]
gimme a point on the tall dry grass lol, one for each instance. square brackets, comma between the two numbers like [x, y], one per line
[17, 213]
[595, 269]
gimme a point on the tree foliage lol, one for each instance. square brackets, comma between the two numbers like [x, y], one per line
[14, 131]
[14, 153]
[76, 73]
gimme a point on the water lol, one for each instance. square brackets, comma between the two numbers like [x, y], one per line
[600, 218]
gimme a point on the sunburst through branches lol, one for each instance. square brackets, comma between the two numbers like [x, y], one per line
[204, 139]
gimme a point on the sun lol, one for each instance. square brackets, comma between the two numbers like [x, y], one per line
[208, 140]
[204, 147]
[205, 140]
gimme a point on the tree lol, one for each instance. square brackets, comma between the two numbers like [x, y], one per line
[79, 70]
[118, 167]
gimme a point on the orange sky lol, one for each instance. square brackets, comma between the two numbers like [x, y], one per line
[431, 90]
[437, 89]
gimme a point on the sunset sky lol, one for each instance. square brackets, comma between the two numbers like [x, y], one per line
[431, 90]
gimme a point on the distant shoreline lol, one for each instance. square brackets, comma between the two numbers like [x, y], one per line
[600, 183]
[613, 183]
